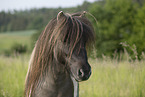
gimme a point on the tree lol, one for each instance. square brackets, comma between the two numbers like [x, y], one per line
[116, 22]
[138, 35]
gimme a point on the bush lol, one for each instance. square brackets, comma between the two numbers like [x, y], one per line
[118, 21]
[19, 48]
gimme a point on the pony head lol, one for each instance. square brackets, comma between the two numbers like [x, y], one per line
[75, 33]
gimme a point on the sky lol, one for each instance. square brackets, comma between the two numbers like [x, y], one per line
[9, 5]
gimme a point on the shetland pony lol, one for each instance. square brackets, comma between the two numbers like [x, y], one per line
[59, 59]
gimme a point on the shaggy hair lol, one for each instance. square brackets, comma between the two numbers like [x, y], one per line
[70, 30]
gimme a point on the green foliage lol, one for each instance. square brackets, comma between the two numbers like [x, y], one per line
[33, 18]
[118, 21]
[138, 35]
[19, 48]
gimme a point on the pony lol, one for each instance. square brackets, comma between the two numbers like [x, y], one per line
[59, 59]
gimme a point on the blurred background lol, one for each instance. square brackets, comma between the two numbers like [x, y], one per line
[118, 21]
[21, 22]
[117, 57]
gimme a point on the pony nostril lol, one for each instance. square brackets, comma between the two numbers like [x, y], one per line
[83, 74]
[80, 73]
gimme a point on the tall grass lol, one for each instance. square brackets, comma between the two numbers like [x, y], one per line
[12, 75]
[110, 78]
[115, 79]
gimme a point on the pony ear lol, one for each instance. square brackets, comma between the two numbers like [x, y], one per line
[80, 14]
[60, 14]
[83, 14]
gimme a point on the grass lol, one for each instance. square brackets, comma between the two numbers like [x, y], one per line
[115, 79]
[109, 78]
[8, 39]
[12, 75]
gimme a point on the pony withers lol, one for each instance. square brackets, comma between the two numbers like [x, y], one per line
[59, 59]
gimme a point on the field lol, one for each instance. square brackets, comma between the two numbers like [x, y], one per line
[110, 78]
[115, 79]
[8, 39]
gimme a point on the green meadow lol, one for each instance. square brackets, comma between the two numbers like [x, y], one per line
[110, 77]
[115, 79]
[8, 39]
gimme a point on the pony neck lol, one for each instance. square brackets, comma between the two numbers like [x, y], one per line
[61, 76]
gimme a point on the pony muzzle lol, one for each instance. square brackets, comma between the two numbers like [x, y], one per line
[83, 74]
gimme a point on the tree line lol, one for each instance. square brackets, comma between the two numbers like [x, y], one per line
[33, 18]
[120, 23]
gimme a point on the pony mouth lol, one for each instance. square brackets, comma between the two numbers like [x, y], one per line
[78, 79]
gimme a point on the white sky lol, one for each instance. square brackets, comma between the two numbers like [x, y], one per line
[27, 4]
